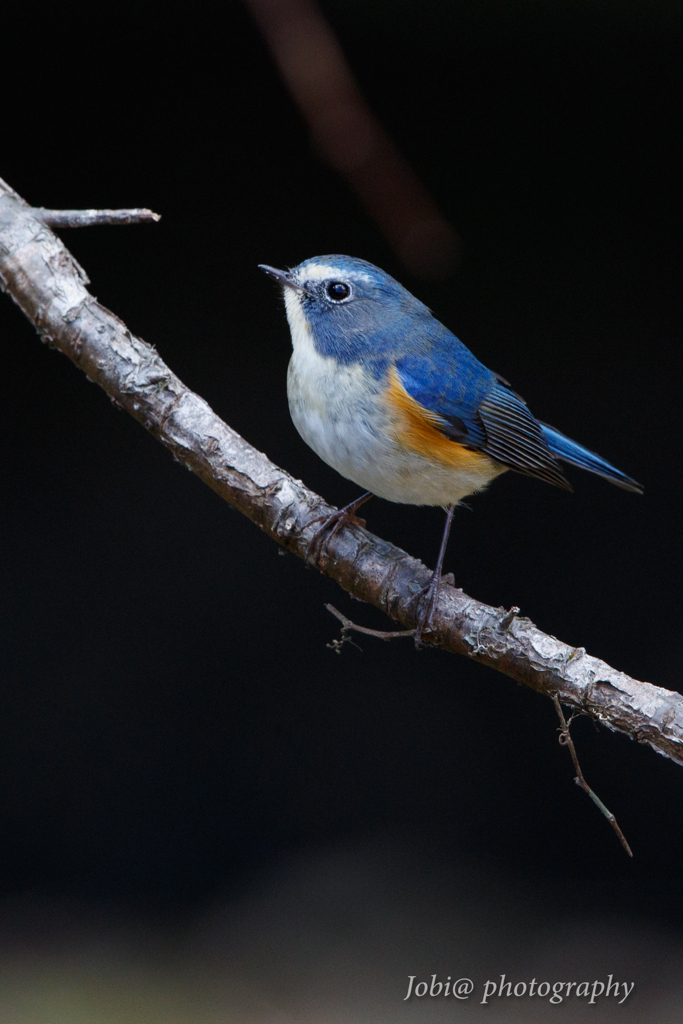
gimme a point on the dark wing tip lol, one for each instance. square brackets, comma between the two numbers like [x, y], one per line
[516, 439]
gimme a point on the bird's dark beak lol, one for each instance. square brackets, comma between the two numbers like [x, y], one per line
[283, 277]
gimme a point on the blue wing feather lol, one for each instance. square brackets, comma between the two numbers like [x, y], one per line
[478, 408]
[444, 377]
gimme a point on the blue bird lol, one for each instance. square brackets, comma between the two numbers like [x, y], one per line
[391, 399]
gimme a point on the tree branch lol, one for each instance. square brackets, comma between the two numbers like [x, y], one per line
[89, 218]
[350, 137]
[45, 281]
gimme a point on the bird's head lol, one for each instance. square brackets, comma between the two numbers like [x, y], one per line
[346, 307]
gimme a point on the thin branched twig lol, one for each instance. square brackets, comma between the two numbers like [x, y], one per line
[352, 627]
[567, 741]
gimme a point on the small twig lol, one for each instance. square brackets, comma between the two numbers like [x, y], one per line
[91, 218]
[567, 741]
[379, 634]
[508, 619]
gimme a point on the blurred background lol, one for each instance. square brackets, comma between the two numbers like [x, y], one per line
[206, 813]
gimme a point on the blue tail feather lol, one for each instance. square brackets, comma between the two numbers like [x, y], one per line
[575, 454]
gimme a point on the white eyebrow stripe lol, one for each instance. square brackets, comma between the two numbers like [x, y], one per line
[321, 272]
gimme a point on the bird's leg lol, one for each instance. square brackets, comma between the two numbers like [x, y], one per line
[342, 517]
[431, 591]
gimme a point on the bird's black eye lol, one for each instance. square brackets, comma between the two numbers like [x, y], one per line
[338, 291]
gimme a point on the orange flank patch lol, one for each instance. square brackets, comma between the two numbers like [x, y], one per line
[417, 430]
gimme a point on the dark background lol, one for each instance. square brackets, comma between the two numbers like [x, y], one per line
[172, 722]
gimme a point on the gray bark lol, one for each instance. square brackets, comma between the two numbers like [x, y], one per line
[45, 281]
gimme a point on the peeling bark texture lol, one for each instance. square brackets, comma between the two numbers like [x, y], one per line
[45, 281]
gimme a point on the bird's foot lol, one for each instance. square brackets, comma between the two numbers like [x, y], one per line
[331, 525]
[427, 598]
